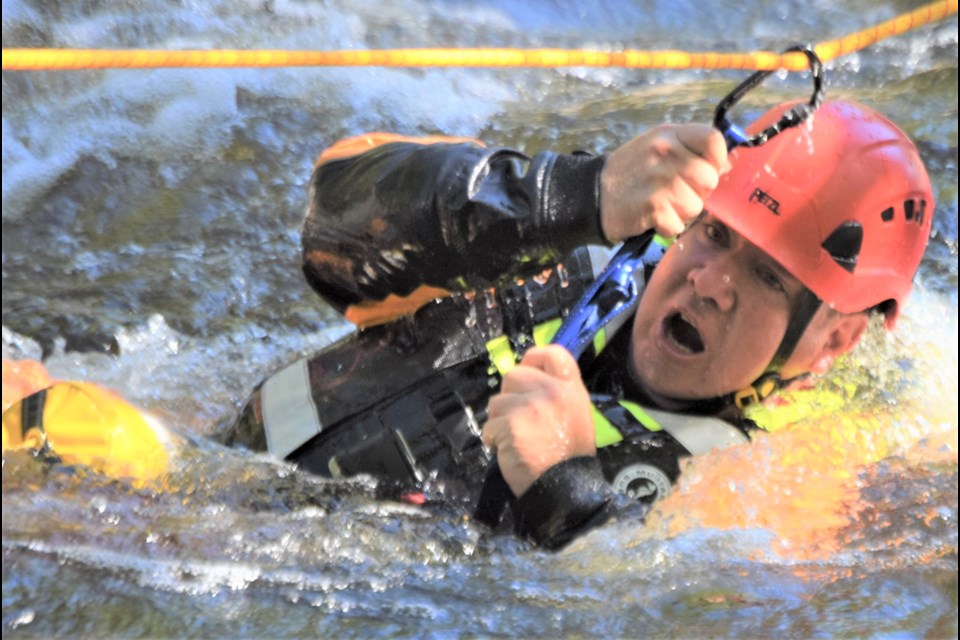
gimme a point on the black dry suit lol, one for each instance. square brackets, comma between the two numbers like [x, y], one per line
[405, 400]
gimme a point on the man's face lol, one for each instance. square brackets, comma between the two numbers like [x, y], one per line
[712, 316]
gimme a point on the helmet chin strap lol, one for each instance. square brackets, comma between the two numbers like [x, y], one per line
[804, 308]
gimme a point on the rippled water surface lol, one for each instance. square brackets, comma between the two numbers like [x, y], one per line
[150, 243]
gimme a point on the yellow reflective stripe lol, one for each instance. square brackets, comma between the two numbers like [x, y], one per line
[641, 416]
[600, 340]
[607, 434]
[543, 333]
[501, 354]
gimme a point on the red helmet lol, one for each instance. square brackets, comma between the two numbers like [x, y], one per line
[842, 202]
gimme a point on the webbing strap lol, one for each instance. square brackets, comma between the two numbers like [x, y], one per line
[32, 412]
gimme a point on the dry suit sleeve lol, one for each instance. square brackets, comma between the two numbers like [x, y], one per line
[569, 499]
[452, 216]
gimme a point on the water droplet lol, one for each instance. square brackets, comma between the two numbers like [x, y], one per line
[564, 276]
[471, 319]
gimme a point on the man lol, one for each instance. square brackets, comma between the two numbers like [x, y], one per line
[778, 265]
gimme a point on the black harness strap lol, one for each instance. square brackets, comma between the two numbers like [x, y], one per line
[31, 415]
[804, 308]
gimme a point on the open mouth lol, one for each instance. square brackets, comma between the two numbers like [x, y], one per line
[683, 334]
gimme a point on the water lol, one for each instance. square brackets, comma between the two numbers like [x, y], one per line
[150, 243]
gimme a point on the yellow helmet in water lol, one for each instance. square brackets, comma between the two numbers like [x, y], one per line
[82, 423]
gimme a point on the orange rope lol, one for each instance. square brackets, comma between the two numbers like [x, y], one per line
[50, 59]
[901, 24]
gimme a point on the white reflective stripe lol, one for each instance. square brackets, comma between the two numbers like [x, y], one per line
[699, 434]
[289, 414]
[599, 257]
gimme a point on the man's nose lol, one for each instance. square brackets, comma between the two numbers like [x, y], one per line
[714, 282]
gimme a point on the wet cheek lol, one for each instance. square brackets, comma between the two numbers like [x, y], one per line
[748, 359]
[640, 364]
[721, 379]
[643, 364]
[642, 325]
[765, 337]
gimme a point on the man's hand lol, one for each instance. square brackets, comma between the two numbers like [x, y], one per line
[660, 179]
[541, 416]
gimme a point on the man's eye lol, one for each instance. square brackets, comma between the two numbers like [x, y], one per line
[771, 279]
[713, 232]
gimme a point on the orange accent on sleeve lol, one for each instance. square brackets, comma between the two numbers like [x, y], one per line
[358, 144]
[368, 314]
[371, 313]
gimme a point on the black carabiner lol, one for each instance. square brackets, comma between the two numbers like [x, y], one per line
[736, 137]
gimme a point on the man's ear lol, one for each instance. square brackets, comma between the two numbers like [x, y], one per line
[844, 334]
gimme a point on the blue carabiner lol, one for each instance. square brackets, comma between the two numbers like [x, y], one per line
[734, 136]
[612, 296]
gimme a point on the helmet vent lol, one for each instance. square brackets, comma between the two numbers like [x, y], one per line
[844, 244]
[908, 207]
[887, 214]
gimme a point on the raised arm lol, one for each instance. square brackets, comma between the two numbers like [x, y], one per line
[451, 216]
[405, 218]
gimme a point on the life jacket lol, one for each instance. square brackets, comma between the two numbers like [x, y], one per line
[411, 418]
[404, 401]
